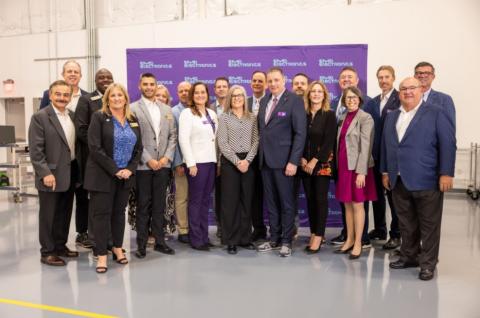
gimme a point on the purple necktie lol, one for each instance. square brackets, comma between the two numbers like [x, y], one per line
[272, 108]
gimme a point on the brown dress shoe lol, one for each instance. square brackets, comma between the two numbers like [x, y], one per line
[52, 260]
[67, 253]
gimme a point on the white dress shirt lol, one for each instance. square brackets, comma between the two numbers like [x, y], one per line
[74, 101]
[256, 104]
[155, 115]
[68, 129]
[426, 94]
[404, 120]
[384, 100]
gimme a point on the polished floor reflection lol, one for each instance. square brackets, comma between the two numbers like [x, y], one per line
[215, 284]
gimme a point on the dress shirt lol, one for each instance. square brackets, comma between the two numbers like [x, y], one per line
[237, 135]
[68, 129]
[384, 100]
[340, 108]
[218, 108]
[426, 94]
[154, 112]
[124, 140]
[404, 120]
[74, 101]
[256, 104]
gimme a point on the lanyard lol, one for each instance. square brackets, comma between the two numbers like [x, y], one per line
[210, 120]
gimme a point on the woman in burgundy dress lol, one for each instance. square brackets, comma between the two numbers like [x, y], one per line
[356, 182]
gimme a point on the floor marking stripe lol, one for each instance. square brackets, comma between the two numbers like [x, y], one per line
[55, 309]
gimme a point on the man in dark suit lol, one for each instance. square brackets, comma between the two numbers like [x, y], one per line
[282, 123]
[51, 138]
[220, 87]
[258, 84]
[378, 108]
[348, 77]
[418, 164]
[72, 74]
[87, 105]
[159, 139]
[425, 73]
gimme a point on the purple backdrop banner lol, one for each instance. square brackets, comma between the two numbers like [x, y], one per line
[323, 62]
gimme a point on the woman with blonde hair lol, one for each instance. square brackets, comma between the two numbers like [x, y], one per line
[115, 150]
[162, 95]
[317, 160]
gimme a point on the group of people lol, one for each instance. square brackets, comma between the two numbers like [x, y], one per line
[249, 151]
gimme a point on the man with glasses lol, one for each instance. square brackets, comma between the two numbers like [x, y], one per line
[418, 164]
[425, 73]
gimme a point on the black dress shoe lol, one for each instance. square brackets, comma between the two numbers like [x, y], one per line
[203, 248]
[400, 264]
[354, 256]
[248, 246]
[52, 260]
[67, 253]
[377, 235]
[392, 244]
[183, 238]
[338, 240]
[309, 251]
[164, 248]
[426, 274]
[232, 249]
[141, 253]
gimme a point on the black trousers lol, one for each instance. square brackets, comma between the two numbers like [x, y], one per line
[257, 200]
[54, 217]
[81, 210]
[151, 201]
[218, 200]
[108, 210]
[237, 194]
[420, 219]
[379, 207]
[316, 191]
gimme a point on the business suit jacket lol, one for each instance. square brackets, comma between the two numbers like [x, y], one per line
[167, 138]
[87, 105]
[426, 151]
[46, 98]
[445, 102]
[321, 132]
[49, 150]
[359, 142]
[282, 139]
[101, 168]
[373, 108]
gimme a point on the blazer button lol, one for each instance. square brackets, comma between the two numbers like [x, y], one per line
[154, 138]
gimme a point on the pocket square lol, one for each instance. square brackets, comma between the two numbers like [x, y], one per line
[281, 114]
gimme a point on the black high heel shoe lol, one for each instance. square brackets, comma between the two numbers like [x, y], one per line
[122, 261]
[340, 251]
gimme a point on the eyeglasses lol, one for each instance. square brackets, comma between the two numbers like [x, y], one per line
[351, 97]
[316, 91]
[237, 96]
[410, 88]
[418, 73]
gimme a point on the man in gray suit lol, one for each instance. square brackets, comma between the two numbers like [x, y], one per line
[159, 138]
[51, 138]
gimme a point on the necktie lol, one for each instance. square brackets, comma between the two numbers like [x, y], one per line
[272, 108]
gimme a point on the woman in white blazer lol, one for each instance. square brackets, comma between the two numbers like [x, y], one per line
[197, 132]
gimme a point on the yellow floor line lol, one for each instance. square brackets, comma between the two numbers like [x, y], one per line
[54, 308]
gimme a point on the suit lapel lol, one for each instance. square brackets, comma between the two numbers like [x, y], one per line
[353, 123]
[56, 124]
[414, 121]
[279, 106]
[394, 126]
[146, 113]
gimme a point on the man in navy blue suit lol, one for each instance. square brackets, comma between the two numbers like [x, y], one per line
[348, 77]
[425, 73]
[418, 164]
[282, 124]
[378, 108]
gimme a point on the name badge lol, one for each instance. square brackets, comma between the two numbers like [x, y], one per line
[205, 122]
[97, 97]
[281, 114]
[169, 117]
[133, 124]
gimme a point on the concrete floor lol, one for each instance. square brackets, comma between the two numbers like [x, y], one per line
[215, 284]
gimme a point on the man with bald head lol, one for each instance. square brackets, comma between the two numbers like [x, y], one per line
[418, 164]
[181, 184]
[72, 74]
[87, 105]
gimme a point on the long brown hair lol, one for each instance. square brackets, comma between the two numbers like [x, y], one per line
[105, 103]
[191, 103]
[326, 97]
